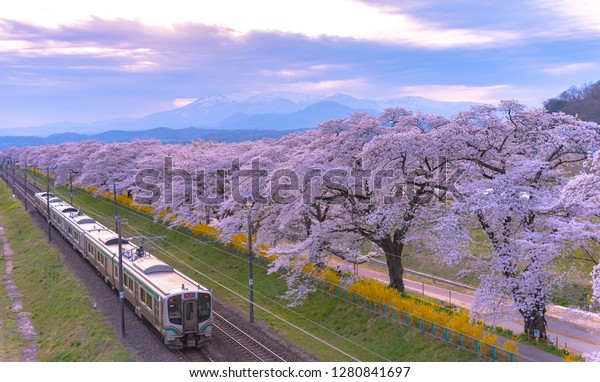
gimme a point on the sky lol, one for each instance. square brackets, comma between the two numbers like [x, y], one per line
[87, 61]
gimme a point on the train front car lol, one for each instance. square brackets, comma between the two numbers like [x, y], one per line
[188, 318]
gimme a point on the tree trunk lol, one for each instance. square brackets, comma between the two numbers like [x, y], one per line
[393, 257]
[535, 320]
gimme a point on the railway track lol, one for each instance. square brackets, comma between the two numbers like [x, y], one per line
[19, 188]
[229, 331]
[252, 347]
[194, 355]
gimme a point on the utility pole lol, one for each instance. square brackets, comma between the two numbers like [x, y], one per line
[25, 175]
[48, 204]
[250, 270]
[13, 177]
[121, 291]
[71, 185]
[120, 242]
[115, 200]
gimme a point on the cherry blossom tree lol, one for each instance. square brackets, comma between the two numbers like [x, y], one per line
[502, 180]
[581, 199]
[515, 164]
[592, 357]
[361, 183]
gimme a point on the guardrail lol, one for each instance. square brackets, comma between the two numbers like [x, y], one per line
[431, 277]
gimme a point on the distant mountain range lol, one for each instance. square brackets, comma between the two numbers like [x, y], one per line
[266, 112]
[164, 134]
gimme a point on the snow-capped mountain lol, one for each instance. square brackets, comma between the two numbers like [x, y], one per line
[268, 111]
[217, 111]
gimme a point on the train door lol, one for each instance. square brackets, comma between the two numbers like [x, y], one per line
[190, 321]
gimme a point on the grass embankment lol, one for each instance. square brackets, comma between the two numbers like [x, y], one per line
[356, 331]
[69, 328]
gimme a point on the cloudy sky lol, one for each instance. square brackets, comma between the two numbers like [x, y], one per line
[84, 61]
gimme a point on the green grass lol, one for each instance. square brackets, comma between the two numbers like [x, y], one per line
[357, 332]
[69, 328]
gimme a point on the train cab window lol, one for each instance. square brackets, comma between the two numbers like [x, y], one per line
[189, 314]
[203, 307]
[174, 309]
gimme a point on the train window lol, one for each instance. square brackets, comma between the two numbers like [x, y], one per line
[189, 314]
[128, 282]
[146, 298]
[203, 307]
[174, 309]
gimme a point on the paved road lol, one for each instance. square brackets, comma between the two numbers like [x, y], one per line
[580, 334]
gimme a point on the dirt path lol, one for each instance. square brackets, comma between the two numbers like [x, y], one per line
[24, 324]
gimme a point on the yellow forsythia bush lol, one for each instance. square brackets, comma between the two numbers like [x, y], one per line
[458, 321]
[512, 345]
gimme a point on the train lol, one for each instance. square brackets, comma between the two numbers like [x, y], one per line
[177, 307]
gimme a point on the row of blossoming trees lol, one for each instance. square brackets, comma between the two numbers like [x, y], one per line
[368, 185]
